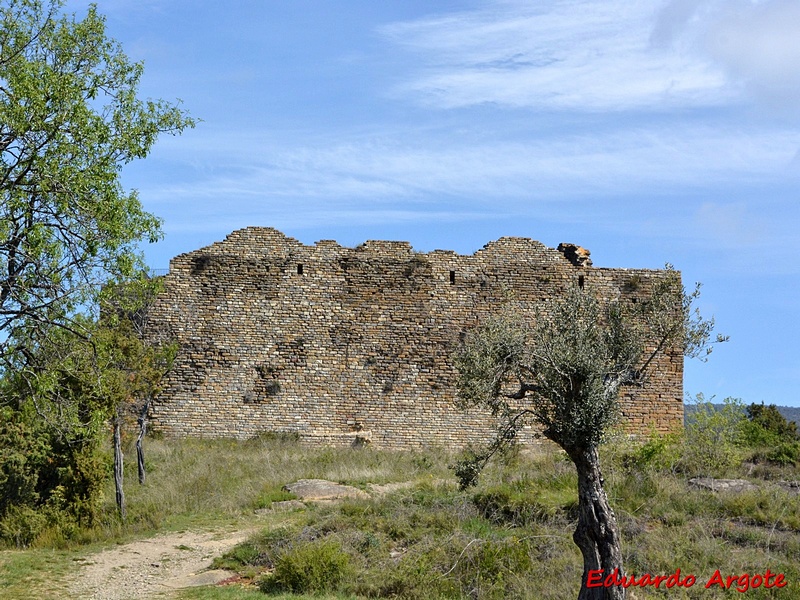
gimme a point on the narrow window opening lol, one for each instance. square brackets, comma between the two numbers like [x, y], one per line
[580, 281]
[299, 269]
[452, 277]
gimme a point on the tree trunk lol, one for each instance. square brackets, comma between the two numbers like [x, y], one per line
[597, 534]
[118, 472]
[142, 420]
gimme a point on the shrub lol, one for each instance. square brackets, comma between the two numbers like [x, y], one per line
[21, 525]
[47, 479]
[772, 421]
[520, 508]
[785, 453]
[659, 452]
[23, 454]
[317, 566]
[713, 438]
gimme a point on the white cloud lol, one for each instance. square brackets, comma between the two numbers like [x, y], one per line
[758, 43]
[606, 55]
[585, 54]
[430, 167]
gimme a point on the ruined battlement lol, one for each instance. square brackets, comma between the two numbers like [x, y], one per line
[350, 344]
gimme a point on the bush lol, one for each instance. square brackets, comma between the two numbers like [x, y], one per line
[317, 566]
[772, 421]
[659, 452]
[23, 454]
[47, 479]
[519, 507]
[713, 438]
[21, 525]
[785, 453]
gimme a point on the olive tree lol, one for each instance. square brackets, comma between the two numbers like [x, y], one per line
[563, 370]
[70, 119]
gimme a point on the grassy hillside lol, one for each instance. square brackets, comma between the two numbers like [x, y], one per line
[511, 537]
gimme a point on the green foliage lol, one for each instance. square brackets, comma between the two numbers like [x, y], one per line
[659, 452]
[773, 422]
[270, 495]
[53, 423]
[520, 507]
[69, 120]
[318, 566]
[713, 442]
[49, 479]
[23, 454]
[785, 453]
[563, 366]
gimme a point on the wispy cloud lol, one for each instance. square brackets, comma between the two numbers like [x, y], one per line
[385, 168]
[608, 55]
[572, 54]
[635, 132]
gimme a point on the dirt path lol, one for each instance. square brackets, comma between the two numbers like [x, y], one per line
[152, 567]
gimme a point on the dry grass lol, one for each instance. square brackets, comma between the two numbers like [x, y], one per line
[509, 538]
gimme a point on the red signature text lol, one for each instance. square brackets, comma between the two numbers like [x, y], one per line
[741, 583]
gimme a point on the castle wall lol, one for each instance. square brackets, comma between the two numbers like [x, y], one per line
[339, 343]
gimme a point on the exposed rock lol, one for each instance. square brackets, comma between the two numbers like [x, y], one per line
[320, 489]
[210, 577]
[722, 485]
[792, 487]
[282, 506]
[577, 255]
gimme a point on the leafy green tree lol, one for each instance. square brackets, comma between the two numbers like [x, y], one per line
[70, 119]
[564, 371]
[773, 422]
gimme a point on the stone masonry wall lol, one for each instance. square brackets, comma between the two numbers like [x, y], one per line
[343, 344]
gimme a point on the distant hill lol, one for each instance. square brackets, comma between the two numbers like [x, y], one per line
[791, 413]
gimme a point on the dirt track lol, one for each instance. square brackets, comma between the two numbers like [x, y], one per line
[152, 567]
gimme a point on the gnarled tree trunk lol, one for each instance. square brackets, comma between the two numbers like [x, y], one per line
[597, 534]
[142, 420]
[118, 467]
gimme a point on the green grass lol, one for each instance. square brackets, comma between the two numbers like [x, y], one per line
[36, 573]
[511, 537]
[237, 593]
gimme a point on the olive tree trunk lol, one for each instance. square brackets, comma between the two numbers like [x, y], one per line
[596, 534]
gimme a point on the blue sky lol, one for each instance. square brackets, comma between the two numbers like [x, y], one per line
[648, 132]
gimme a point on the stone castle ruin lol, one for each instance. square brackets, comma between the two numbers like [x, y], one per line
[350, 345]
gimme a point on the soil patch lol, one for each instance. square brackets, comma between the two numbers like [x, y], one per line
[152, 567]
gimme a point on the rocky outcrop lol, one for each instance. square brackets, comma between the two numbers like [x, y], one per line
[320, 489]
